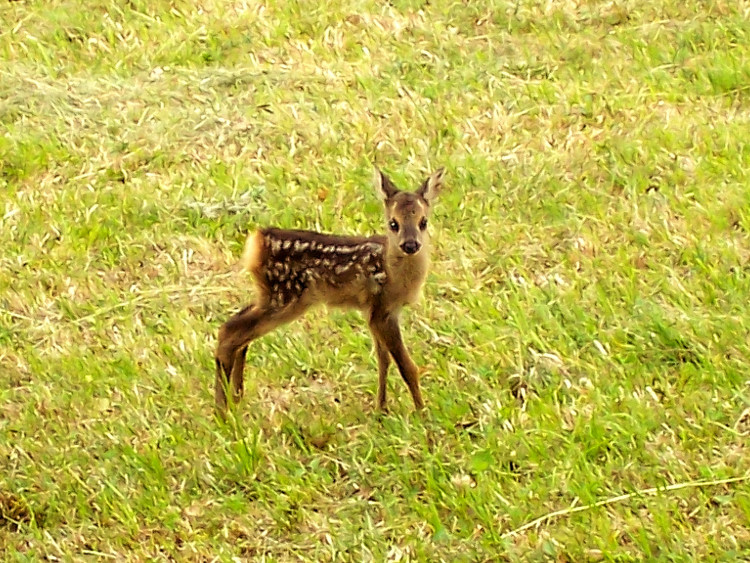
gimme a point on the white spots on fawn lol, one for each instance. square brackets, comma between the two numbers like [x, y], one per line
[373, 247]
[347, 249]
[297, 263]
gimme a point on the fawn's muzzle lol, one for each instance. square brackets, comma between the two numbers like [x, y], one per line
[410, 247]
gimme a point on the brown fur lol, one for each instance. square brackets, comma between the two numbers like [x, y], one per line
[295, 270]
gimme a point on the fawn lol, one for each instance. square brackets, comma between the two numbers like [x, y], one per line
[294, 270]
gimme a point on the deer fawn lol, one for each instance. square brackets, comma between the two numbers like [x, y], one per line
[294, 270]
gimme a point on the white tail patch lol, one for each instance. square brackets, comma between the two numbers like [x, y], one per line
[251, 256]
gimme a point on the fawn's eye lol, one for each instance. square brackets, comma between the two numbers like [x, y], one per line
[423, 224]
[393, 225]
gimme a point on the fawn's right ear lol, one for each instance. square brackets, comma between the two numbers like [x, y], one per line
[383, 185]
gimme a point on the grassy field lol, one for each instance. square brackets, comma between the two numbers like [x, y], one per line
[584, 331]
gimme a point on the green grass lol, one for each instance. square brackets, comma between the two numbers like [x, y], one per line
[584, 330]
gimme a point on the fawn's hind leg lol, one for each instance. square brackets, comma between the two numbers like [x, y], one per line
[234, 337]
[224, 359]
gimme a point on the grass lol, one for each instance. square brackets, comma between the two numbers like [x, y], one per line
[584, 330]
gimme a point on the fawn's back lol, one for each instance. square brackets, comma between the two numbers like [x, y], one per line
[292, 266]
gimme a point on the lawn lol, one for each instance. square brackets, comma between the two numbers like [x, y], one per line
[583, 331]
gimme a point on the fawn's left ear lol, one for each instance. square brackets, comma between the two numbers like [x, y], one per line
[431, 187]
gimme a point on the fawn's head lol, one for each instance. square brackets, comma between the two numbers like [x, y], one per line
[406, 213]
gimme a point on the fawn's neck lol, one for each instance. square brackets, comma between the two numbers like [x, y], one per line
[405, 274]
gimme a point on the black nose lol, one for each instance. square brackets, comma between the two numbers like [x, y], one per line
[410, 246]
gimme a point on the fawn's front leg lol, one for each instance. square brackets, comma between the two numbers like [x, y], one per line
[385, 328]
[384, 361]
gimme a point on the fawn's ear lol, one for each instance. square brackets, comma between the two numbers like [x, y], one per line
[383, 185]
[431, 187]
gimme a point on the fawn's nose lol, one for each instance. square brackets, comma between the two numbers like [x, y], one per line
[410, 247]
